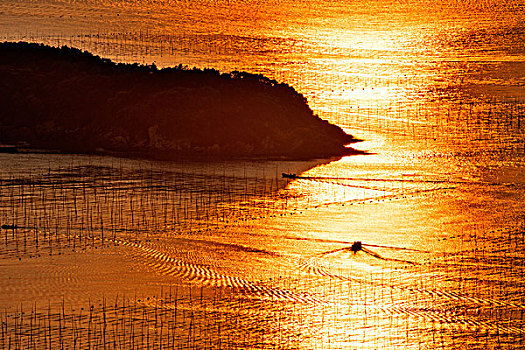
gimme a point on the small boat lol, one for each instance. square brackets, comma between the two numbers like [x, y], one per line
[359, 246]
[356, 246]
[288, 176]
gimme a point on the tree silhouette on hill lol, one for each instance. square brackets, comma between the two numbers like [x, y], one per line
[73, 101]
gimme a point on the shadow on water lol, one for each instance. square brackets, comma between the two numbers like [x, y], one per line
[54, 200]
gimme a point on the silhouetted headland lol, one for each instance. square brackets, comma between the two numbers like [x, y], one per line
[72, 101]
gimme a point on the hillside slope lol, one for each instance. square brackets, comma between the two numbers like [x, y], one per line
[72, 101]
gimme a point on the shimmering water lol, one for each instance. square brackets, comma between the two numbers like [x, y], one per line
[436, 89]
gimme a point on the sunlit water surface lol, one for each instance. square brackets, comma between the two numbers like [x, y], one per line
[436, 90]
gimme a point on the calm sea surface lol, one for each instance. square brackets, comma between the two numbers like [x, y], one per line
[436, 89]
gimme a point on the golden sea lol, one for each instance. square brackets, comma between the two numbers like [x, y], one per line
[103, 253]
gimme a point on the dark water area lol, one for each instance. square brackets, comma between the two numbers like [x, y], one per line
[239, 257]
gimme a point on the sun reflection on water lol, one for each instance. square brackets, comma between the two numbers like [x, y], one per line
[435, 90]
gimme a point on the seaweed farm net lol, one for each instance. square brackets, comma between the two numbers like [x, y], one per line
[98, 253]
